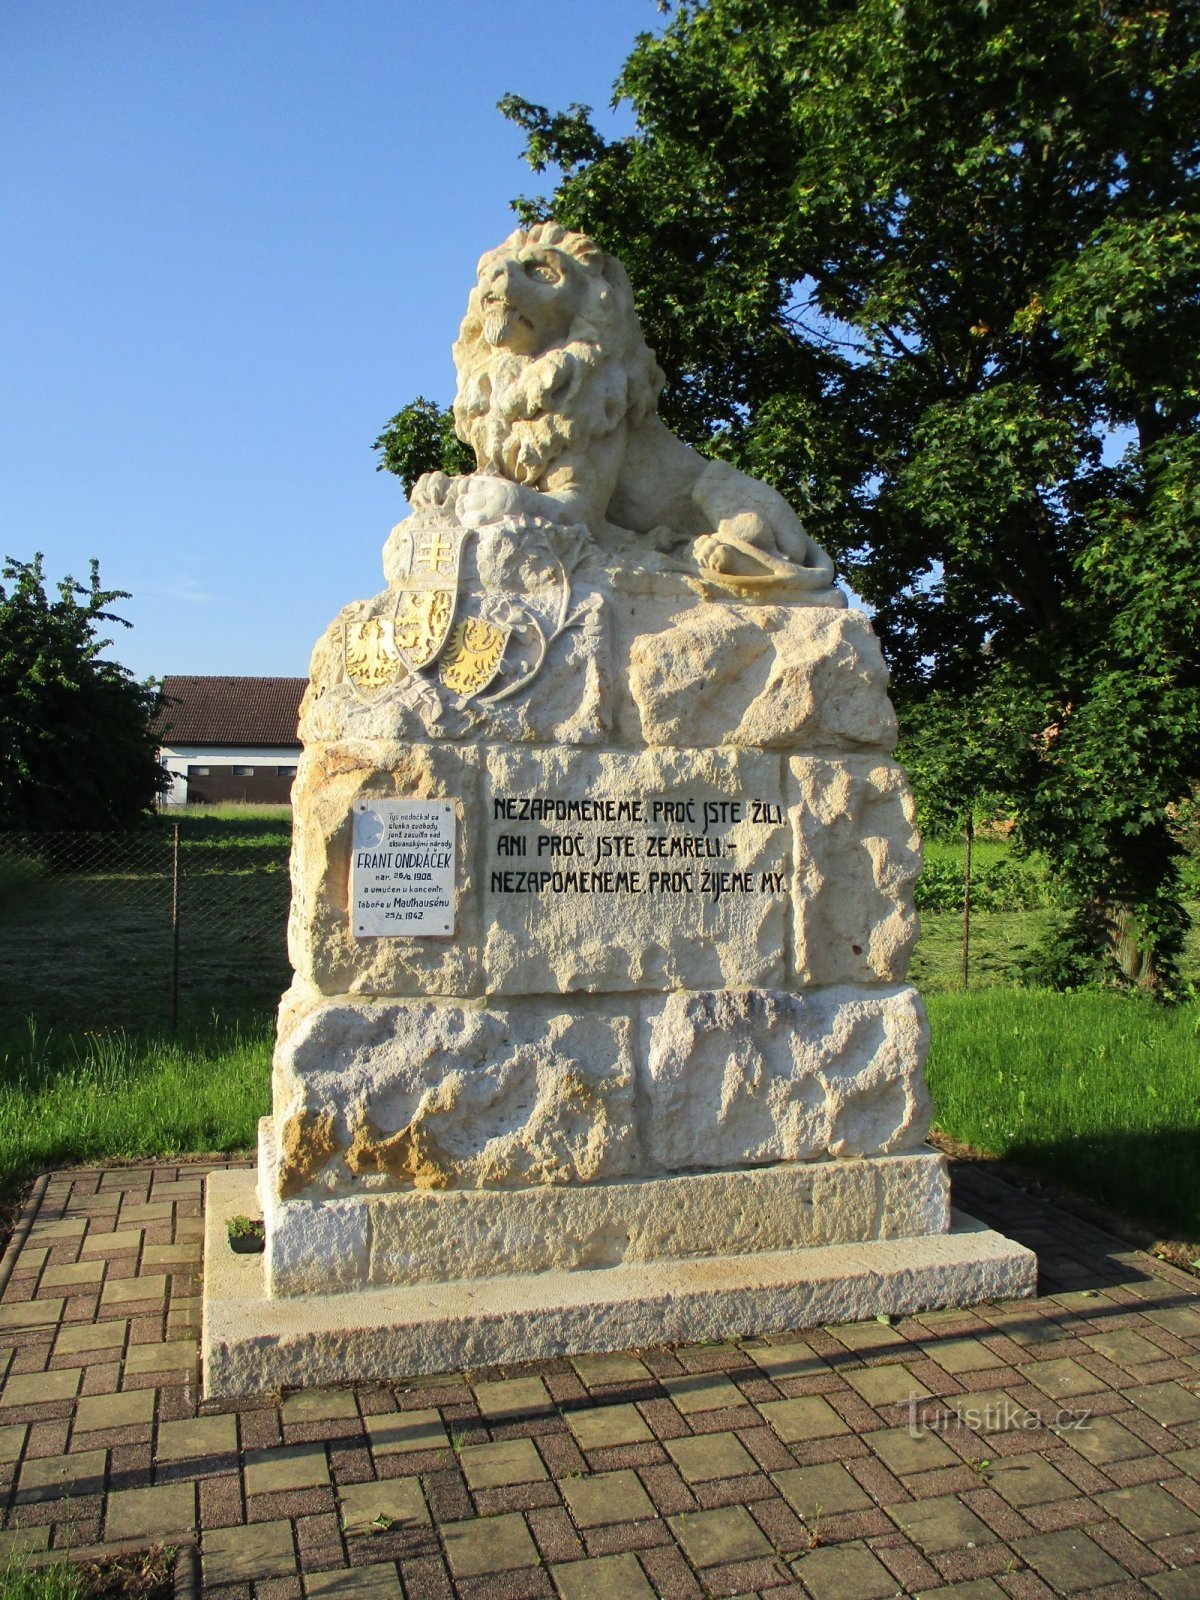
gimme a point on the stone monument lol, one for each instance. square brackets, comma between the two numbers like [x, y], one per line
[601, 910]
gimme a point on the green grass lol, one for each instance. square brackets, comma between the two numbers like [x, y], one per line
[57, 1581]
[1099, 1091]
[80, 1096]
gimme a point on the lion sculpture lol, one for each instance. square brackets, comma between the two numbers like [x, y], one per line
[557, 396]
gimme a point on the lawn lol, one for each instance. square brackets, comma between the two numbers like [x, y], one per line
[1099, 1090]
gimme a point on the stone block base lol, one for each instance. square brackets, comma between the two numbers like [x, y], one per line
[412, 1236]
[253, 1343]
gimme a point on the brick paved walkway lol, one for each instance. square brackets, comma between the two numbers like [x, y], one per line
[1056, 1448]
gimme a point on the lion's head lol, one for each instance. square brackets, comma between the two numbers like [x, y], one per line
[550, 353]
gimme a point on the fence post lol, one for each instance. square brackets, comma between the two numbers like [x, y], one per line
[175, 928]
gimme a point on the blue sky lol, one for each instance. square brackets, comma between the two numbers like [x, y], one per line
[239, 235]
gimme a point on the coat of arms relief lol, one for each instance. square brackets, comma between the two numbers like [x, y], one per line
[471, 612]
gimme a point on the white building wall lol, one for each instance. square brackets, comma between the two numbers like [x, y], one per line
[179, 757]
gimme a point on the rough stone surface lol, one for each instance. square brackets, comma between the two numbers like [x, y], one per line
[253, 1343]
[434, 1235]
[857, 856]
[432, 1094]
[770, 677]
[744, 1076]
[436, 1094]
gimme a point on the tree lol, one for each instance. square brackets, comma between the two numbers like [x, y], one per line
[927, 267]
[76, 747]
[421, 438]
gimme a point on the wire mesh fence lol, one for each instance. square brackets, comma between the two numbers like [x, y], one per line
[150, 929]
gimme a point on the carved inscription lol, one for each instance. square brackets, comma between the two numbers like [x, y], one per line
[650, 845]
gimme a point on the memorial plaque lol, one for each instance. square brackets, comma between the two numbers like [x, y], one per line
[402, 868]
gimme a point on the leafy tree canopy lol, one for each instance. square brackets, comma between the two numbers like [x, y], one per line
[930, 267]
[76, 750]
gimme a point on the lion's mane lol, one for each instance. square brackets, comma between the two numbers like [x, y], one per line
[520, 413]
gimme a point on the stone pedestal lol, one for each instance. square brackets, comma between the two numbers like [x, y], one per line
[663, 1077]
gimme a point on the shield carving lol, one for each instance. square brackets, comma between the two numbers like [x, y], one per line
[428, 585]
[373, 661]
[473, 656]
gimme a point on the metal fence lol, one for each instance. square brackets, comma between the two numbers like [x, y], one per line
[150, 929]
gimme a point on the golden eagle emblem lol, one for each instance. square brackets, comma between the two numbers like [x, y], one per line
[473, 656]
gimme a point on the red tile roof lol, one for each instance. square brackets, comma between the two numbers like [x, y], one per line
[234, 711]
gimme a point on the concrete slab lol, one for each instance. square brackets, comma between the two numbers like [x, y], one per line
[252, 1344]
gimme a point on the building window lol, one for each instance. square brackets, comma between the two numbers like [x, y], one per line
[243, 772]
[285, 772]
[197, 772]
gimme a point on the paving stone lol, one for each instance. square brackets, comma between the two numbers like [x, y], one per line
[51, 1477]
[374, 1507]
[118, 1242]
[781, 1361]
[1070, 1562]
[1126, 1347]
[908, 1450]
[845, 1572]
[977, 1589]
[30, 1314]
[12, 1441]
[21, 1541]
[961, 1355]
[711, 1455]
[151, 1514]
[71, 1273]
[888, 1385]
[489, 1466]
[865, 1336]
[594, 1371]
[618, 1577]
[65, 1228]
[128, 1410]
[1150, 1512]
[943, 1523]
[40, 1388]
[1186, 1460]
[489, 1544]
[77, 1337]
[702, 1391]
[285, 1467]
[714, 1538]
[376, 1582]
[986, 1411]
[807, 1417]
[171, 1255]
[120, 1291]
[197, 1437]
[1062, 1377]
[1182, 1321]
[179, 1355]
[1167, 1403]
[608, 1497]
[397, 1432]
[1028, 1481]
[507, 1399]
[1182, 1584]
[1104, 1439]
[320, 1405]
[239, 1555]
[821, 1491]
[608, 1425]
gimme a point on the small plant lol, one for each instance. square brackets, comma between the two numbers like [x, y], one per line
[247, 1235]
[982, 1470]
